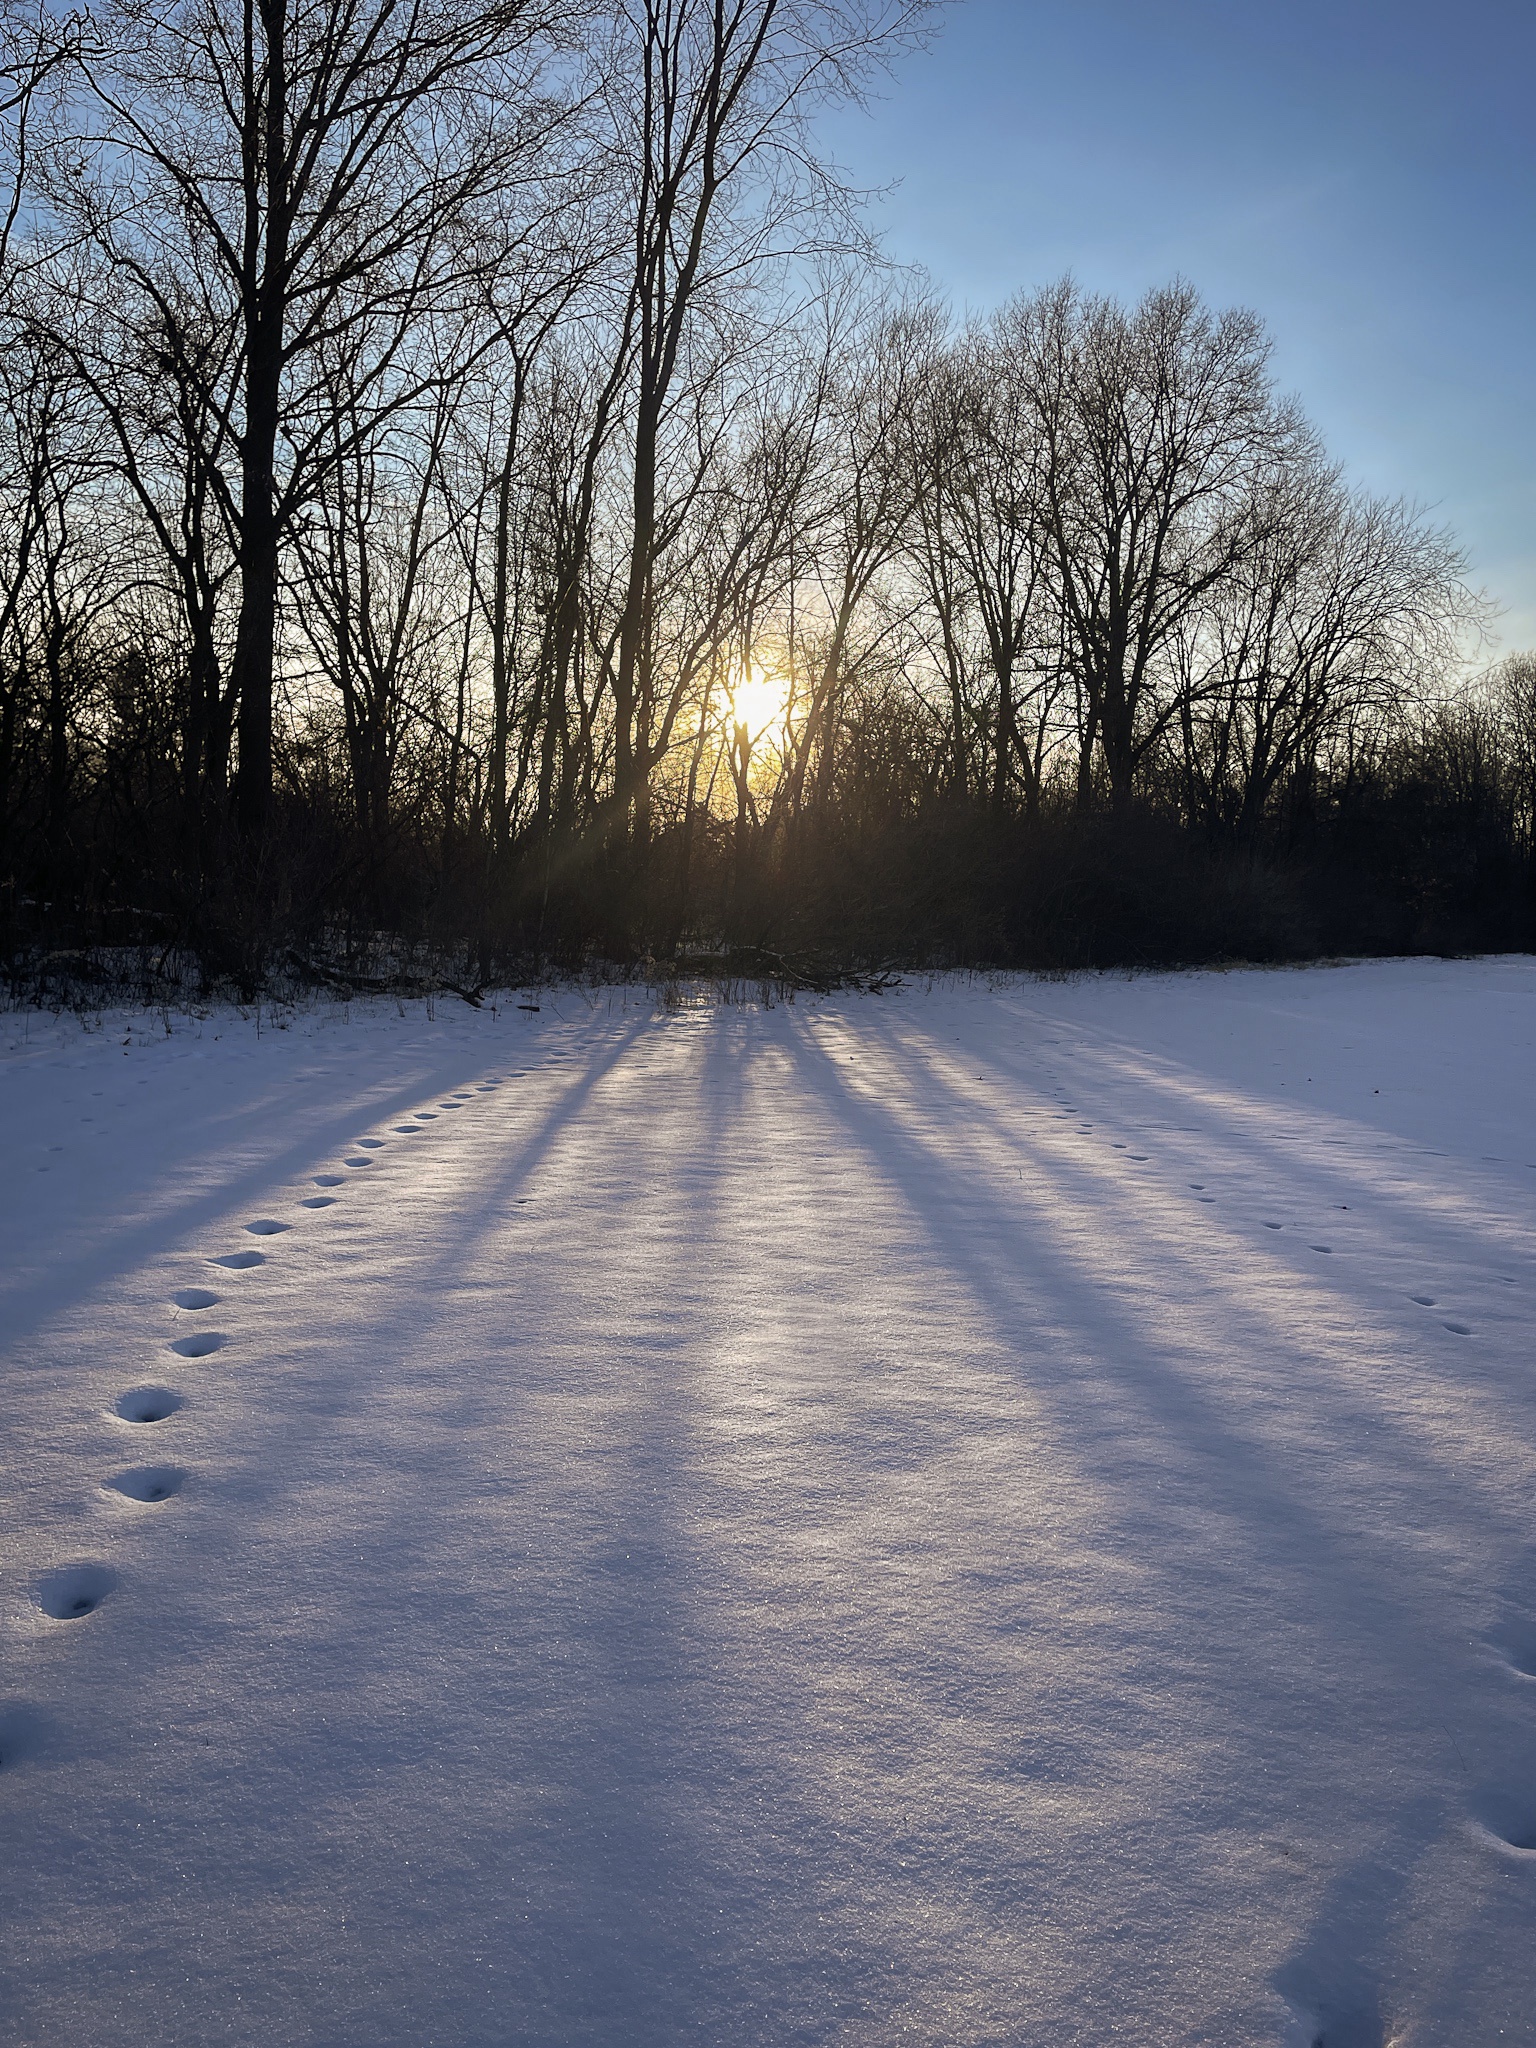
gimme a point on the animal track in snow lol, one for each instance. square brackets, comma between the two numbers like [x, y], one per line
[328, 1180]
[1274, 1226]
[203, 1345]
[318, 1202]
[1334, 2004]
[74, 1590]
[1197, 1185]
[1511, 1820]
[148, 1483]
[1458, 1329]
[371, 1144]
[1351, 2031]
[1321, 1248]
[194, 1297]
[426, 1116]
[1424, 1300]
[239, 1262]
[1141, 1158]
[148, 1404]
[1516, 1644]
[266, 1226]
[363, 1161]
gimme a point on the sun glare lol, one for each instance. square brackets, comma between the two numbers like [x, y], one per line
[758, 699]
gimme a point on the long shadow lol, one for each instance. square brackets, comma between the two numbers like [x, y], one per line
[390, 1359]
[701, 1743]
[600, 1899]
[389, 1306]
[1171, 1406]
[88, 1273]
[621, 1834]
[1345, 1281]
[1362, 1600]
[1319, 1134]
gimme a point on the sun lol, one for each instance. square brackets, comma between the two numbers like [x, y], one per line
[759, 698]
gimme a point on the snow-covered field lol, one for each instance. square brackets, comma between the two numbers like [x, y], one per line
[992, 1514]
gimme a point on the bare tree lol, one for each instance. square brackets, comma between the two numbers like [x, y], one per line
[983, 543]
[57, 583]
[853, 519]
[710, 101]
[35, 46]
[1513, 688]
[309, 164]
[1152, 425]
[1342, 607]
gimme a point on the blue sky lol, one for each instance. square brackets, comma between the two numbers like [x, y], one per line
[1362, 174]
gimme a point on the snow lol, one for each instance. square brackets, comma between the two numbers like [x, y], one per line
[997, 1513]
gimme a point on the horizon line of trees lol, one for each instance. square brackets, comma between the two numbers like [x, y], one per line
[464, 468]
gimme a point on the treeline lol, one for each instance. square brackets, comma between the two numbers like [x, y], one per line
[469, 484]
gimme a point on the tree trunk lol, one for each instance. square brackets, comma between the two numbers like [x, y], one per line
[255, 659]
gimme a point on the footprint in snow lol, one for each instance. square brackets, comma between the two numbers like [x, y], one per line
[194, 1297]
[1334, 2004]
[329, 1180]
[148, 1404]
[240, 1262]
[408, 1130]
[371, 1144]
[1322, 1248]
[361, 1160]
[426, 1116]
[1274, 1226]
[1458, 1329]
[1510, 1818]
[74, 1590]
[266, 1226]
[318, 1202]
[1424, 1300]
[203, 1345]
[1141, 1158]
[148, 1483]
[1351, 2031]
[1516, 1644]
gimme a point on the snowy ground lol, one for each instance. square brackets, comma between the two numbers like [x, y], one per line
[984, 1515]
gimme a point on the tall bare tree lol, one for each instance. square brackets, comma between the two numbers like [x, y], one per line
[310, 163]
[1152, 425]
[710, 104]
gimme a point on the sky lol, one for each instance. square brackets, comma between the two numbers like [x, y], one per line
[1362, 174]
